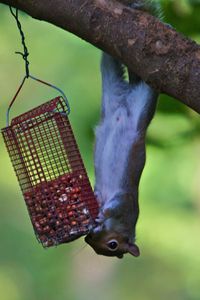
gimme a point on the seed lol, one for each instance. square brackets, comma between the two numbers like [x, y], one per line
[60, 215]
[81, 217]
[37, 198]
[73, 223]
[68, 207]
[63, 179]
[34, 219]
[52, 208]
[72, 190]
[68, 178]
[58, 223]
[66, 228]
[39, 230]
[78, 190]
[86, 222]
[46, 229]
[49, 215]
[29, 202]
[37, 225]
[70, 213]
[80, 205]
[66, 221]
[27, 197]
[38, 208]
[63, 198]
[68, 189]
[52, 221]
[73, 180]
[43, 221]
[44, 203]
[75, 196]
[86, 211]
[56, 187]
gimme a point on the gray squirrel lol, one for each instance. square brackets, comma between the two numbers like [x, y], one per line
[127, 110]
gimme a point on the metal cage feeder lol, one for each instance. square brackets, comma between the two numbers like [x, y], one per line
[51, 173]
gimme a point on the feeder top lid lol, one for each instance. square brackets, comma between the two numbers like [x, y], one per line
[50, 106]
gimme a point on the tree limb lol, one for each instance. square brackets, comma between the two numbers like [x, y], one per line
[162, 57]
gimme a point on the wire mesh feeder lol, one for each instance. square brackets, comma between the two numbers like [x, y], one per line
[51, 174]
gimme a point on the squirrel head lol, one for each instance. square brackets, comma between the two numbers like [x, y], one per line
[111, 243]
[111, 238]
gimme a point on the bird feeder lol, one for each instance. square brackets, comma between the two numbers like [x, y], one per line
[51, 173]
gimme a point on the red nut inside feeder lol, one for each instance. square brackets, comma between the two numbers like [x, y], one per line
[51, 174]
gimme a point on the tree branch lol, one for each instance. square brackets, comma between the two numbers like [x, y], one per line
[161, 56]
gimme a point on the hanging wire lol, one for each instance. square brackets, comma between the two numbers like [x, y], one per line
[26, 53]
[13, 100]
[38, 80]
[28, 75]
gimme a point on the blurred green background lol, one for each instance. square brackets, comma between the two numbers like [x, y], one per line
[169, 223]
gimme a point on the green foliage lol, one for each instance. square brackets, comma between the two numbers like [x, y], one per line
[168, 228]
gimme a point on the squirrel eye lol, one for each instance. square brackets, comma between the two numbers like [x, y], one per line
[113, 245]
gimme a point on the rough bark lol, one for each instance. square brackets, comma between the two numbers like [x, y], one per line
[162, 57]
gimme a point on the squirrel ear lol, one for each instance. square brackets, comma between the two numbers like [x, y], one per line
[133, 250]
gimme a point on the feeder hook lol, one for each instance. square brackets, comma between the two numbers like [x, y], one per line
[26, 53]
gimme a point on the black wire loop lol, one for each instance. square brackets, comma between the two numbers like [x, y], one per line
[26, 53]
[28, 75]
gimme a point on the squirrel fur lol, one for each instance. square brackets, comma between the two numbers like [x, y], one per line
[127, 110]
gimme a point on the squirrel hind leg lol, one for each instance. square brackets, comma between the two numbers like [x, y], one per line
[112, 70]
[133, 78]
[114, 87]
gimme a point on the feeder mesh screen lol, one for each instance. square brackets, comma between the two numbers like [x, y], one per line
[43, 149]
[41, 144]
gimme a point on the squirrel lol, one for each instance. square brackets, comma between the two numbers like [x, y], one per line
[119, 156]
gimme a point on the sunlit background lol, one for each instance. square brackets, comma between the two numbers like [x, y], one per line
[169, 224]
